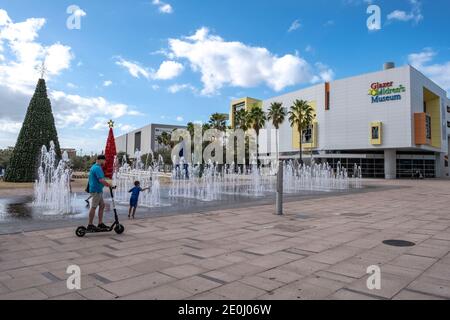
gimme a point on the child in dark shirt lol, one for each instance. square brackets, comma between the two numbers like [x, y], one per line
[134, 199]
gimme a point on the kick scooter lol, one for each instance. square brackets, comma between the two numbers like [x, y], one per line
[117, 227]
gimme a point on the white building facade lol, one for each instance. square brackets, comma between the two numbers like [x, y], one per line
[393, 123]
[144, 139]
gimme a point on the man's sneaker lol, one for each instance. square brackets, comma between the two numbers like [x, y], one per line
[103, 226]
[92, 228]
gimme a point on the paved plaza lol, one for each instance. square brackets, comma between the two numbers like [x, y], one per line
[320, 249]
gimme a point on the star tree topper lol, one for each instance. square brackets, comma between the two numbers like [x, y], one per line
[42, 69]
[111, 124]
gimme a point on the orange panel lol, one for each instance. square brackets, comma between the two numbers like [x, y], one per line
[327, 96]
[420, 136]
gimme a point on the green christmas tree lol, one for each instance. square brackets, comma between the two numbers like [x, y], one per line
[38, 129]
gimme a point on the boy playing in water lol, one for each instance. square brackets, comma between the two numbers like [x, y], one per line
[134, 200]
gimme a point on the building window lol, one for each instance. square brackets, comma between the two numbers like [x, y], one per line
[428, 127]
[137, 141]
[448, 109]
[239, 106]
[375, 133]
[308, 135]
[448, 124]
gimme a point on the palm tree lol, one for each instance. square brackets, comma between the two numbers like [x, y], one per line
[243, 120]
[258, 120]
[218, 121]
[301, 115]
[191, 129]
[159, 139]
[277, 114]
[165, 139]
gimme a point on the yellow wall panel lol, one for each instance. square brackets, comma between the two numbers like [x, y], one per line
[315, 133]
[379, 141]
[249, 103]
[434, 110]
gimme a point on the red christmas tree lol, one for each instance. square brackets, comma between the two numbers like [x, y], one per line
[110, 152]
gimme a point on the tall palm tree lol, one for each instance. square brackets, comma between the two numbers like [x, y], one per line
[218, 121]
[243, 120]
[191, 129]
[301, 115]
[277, 114]
[258, 120]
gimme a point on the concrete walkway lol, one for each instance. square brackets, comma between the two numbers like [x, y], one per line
[319, 250]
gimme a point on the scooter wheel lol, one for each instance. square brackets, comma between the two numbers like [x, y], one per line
[81, 232]
[119, 229]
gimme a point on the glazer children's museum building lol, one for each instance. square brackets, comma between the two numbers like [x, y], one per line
[393, 123]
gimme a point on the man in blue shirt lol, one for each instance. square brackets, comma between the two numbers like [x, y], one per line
[96, 184]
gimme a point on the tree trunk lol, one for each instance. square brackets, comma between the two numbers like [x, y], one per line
[301, 144]
[277, 146]
[257, 149]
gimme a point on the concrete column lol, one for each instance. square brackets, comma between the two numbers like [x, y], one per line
[440, 165]
[390, 164]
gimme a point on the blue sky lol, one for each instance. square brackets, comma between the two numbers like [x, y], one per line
[174, 61]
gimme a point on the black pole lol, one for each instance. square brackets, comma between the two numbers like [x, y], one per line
[279, 203]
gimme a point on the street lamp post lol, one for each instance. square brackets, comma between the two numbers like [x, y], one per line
[279, 201]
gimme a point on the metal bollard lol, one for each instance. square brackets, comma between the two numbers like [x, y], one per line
[279, 203]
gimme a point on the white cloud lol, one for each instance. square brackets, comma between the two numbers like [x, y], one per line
[71, 109]
[107, 83]
[126, 128]
[163, 7]
[180, 87]
[399, 15]
[295, 25]
[222, 63]
[101, 124]
[134, 68]
[18, 77]
[414, 15]
[9, 126]
[58, 58]
[180, 119]
[71, 85]
[325, 74]
[169, 70]
[4, 18]
[309, 49]
[438, 72]
[20, 72]
[25, 31]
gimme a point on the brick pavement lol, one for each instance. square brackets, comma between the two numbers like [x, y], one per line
[320, 249]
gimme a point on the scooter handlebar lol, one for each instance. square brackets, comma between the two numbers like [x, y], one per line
[111, 188]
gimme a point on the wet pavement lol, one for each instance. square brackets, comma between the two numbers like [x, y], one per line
[18, 214]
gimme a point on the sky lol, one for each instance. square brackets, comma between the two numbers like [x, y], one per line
[175, 61]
